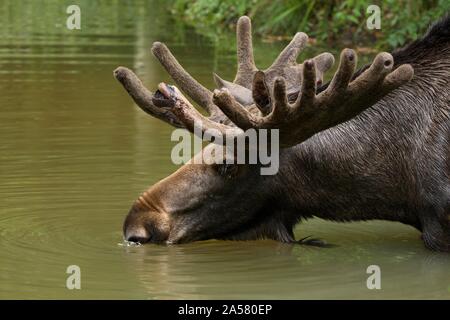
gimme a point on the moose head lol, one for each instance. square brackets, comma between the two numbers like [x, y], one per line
[234, 201]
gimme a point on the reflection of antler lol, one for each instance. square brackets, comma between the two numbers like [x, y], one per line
[297, 121]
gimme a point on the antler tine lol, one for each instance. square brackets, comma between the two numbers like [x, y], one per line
[281, 107]
[236, 112]
[308, 91]
[246, 62]
[396, 78]
[289, 55]
[184, 80]
[261, 94]
[378, 70]
[143, 97]
[343, 75]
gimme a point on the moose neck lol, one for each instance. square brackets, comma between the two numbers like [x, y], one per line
[359, 170]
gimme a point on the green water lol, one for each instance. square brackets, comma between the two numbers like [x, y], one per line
[75, 152]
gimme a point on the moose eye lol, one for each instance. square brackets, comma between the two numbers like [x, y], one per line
[227, 170]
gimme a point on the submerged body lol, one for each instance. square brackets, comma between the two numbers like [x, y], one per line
[390, 162]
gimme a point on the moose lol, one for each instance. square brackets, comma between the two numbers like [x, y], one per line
[369, 144]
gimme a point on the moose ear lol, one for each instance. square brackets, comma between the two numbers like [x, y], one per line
[240, 93]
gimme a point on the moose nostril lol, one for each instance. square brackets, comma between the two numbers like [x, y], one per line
[137, 235]
[137, 239]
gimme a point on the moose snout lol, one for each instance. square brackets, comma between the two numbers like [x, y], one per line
[139, 234]
[144, 225]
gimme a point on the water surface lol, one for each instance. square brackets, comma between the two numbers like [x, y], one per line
[75, 152]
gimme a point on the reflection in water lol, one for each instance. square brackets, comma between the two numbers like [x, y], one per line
[266, 269]
[75, 153]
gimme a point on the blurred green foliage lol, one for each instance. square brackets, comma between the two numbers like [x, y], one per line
[328, 21]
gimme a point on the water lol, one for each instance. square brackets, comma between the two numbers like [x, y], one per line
[75, 152]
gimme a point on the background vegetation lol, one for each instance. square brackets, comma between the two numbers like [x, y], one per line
[328, 21]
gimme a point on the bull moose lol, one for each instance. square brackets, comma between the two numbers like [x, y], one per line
[370, 144]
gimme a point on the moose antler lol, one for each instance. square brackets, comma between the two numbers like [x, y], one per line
[293, 106]
[284, 65]
[310, 113]
[201, 95]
